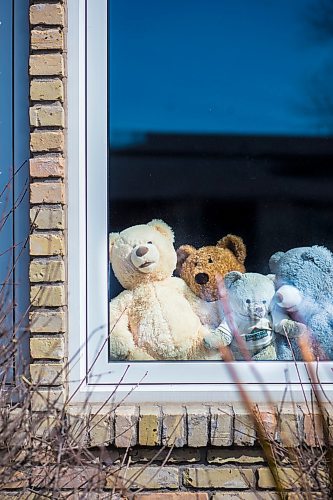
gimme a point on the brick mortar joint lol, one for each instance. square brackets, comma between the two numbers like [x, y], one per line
[45, 52]
[46, 27]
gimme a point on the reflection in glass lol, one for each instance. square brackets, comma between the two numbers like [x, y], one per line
[221, 122]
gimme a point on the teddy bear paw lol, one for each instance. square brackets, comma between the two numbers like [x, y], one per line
[218, 338]
[120, 349]
[291, 328]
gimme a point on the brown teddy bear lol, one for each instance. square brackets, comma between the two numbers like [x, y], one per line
[201, 268]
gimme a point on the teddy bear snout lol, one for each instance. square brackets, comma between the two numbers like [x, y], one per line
[145, 258]
[288, 296]
[257, 310]
[141, 251]
[201, 278]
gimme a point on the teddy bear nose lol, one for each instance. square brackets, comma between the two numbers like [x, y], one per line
[141, 251]
[201, 278]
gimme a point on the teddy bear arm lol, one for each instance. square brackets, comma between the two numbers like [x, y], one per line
[284, 325]
[220, 337]
[290, 328]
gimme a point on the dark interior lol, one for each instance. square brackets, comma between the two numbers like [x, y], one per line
[276, 193]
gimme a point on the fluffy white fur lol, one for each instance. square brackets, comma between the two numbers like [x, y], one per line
[157, 316]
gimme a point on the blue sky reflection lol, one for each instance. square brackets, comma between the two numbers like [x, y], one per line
[218, 66]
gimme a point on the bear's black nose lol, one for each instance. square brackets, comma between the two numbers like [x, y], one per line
[201, 278]
[141, 251]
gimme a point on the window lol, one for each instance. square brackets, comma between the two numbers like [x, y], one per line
[14, 175]
[206, 116]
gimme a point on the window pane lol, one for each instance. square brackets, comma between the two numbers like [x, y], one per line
[221, 121]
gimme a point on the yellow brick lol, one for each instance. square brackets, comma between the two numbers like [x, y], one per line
[47, 192]
[16, 496]
[50, 271]
[150, 426]
[47, 321]
[42, 400]
[197, 425]
[12, 479]
[46, 90]
[47, 374]
[101, 429]
[247, 495]
[47, 217]
[47, 140]
[126, 419]
[233, 478]
[150, 477]
[47, 166]
[287, 476]
[77, 420]
[173, 431]
[51, 115]
[290, 421]
[47, 244]
[46, 39]
[47, 295]
[47, 347]
[46, 65]
[244, 428]
[221, 425]
[43, 425]
[47, 14]
[47, 270]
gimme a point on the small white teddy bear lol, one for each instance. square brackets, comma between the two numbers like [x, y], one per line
[248, 326]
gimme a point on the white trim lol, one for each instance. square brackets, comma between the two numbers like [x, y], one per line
[160, 381]
[76, 188]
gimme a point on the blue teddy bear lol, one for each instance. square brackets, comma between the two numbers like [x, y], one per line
[304, 289]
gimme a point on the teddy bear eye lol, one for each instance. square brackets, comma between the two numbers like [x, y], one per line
[264, 301]
[195, 264]
[210, 260]
[248, 301]
[149, 242]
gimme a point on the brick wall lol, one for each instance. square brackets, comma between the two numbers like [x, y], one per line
[187, 452]
[47, 196]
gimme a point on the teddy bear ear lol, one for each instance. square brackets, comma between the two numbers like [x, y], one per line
[235, 244]
[231, 278]
[182, 253]
[320, 256]
[162, 228]
[271, 277]
[112, 239]
[274, 260]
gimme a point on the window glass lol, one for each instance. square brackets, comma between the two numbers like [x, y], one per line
[14, 192]
[220, 122]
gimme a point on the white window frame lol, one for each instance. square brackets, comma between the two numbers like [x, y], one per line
[192, 381]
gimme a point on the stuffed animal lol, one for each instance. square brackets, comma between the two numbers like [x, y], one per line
[202, 268]
[248, 324]
[304, 284]
[152, 318]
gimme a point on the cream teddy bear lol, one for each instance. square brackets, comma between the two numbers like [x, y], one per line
[155, 317]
